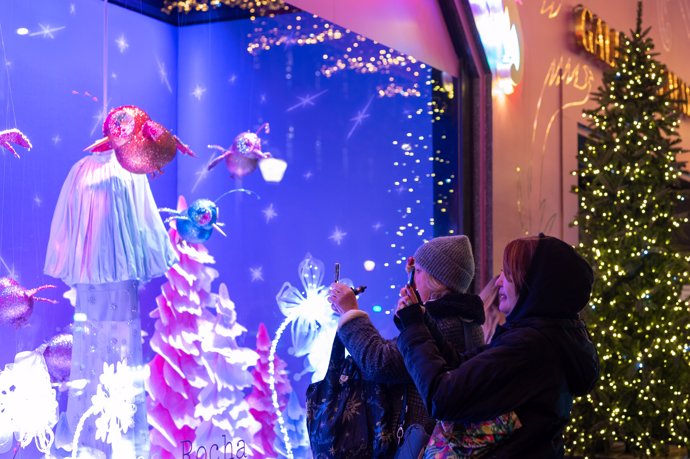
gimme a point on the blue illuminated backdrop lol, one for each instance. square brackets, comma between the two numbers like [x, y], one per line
[352, 120]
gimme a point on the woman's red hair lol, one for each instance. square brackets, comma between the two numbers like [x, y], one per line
[517, 257]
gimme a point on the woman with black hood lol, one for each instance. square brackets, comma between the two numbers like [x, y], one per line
[537, 361]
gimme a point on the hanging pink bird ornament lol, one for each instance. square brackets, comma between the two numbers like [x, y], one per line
[243, 155]
[17, 303]
[10, 136]
[141, 145]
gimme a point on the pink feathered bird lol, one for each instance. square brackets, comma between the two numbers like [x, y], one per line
[141, 145]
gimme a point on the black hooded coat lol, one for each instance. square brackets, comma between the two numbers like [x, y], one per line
[536, 363]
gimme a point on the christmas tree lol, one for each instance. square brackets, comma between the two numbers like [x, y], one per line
[629, 189]
[222, 407]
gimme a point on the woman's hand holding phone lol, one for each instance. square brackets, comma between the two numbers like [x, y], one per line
[409, 294]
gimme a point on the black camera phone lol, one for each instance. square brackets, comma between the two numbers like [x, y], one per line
[357, 290]
[410, 278]
[411, 283]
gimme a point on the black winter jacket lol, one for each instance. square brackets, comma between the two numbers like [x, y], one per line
[536, 363]
[380, 360]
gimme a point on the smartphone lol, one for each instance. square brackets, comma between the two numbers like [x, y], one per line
[337, 272]
[410, 282]
[410, 278]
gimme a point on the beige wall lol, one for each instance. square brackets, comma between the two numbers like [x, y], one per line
[527, 179]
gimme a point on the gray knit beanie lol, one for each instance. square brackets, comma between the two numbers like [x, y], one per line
[449, 259]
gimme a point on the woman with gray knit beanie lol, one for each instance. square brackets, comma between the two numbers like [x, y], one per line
[444, 268]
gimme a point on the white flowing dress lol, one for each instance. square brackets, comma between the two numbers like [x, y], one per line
[106, 226]
[106, 238]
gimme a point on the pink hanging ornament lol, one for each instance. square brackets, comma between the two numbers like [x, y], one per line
[10, 136]
[17, 303]
[243, 155]
[57, 353]
[7, 282]
[141, 145]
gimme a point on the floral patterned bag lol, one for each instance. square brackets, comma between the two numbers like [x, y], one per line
[346, 413]
[449, 440]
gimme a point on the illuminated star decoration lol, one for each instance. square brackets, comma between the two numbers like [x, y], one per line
[122, 44]
[202, 173]
[99, 117]
[46, 31]
[232, 79]
[198, 92]
[337, 236]
[263, 99]
[10, 271]
[361, 115]
[376, 226]
[257, 273]
[56, 139]
[269, 213]
[37, 200]
[72, 9]
[163, 73]
[307, 100]
[308, 175]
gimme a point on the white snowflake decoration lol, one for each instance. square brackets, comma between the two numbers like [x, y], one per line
[113, 403]
[28, 404]
[114, 400]
[313, 323]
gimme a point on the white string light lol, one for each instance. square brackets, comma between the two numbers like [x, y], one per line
[272, 382]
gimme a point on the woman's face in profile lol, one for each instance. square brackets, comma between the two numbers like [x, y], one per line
[507, 294]
[421, 281]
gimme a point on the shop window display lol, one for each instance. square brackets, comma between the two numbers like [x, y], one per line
[219, 317]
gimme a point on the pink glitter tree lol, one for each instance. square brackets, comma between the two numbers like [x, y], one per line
[226, 417]
[195, 384]
[260, 399]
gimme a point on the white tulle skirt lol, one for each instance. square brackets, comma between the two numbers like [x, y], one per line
[106, 226]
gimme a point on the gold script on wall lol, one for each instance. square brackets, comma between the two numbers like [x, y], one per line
[598, 39]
